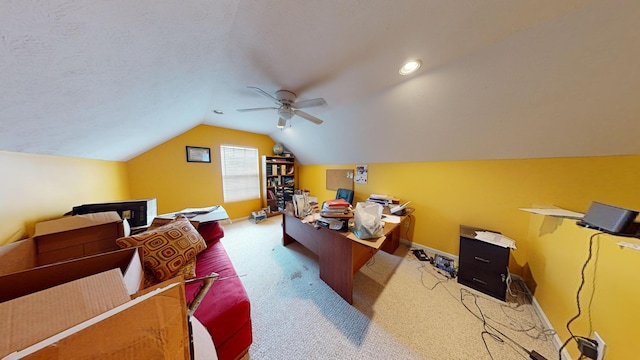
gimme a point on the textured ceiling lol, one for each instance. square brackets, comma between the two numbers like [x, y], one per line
[500, 79]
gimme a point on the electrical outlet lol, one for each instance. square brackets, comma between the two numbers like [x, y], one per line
[601, 345]
[406, 224]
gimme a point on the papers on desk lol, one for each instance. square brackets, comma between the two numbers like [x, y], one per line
[496, 239]
[392, 219]
[311, 218]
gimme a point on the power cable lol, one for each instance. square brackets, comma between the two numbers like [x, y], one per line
[582, 281]
[488, 328]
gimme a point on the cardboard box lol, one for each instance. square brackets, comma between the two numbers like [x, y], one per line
[35, 317]
[77, 236]
[15, 284]
[94, 316]
[19, 255]
[258, 216]
[136, 212]
[152, 326]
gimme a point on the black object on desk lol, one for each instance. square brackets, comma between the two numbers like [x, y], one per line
[483, 266]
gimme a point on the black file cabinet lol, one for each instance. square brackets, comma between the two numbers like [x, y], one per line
[482, 266]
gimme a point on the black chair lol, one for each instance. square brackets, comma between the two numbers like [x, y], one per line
[345, 194]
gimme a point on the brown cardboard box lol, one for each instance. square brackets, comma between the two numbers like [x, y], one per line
[75, 236]
[23, 282]
[35, 317]
[94, 317]
[19, 255]
[152, 326]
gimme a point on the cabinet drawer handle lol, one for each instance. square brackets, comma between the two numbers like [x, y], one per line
[480, 281]
[482, 259]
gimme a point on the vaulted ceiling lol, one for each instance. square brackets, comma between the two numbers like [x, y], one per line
[500, 79]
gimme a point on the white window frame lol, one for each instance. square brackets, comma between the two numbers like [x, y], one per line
[240, 173]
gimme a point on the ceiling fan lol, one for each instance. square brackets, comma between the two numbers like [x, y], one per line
[288, 106]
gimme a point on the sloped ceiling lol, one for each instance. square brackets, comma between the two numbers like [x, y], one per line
[500, 79]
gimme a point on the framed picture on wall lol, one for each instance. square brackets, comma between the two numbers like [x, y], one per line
[198, 154]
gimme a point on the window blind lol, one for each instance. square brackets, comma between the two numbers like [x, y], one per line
[240, 173]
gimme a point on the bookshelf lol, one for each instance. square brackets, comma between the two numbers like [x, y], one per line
[279, 180]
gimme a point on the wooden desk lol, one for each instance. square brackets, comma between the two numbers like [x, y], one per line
[339, 256]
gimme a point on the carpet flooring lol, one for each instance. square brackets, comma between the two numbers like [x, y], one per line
[403, 308]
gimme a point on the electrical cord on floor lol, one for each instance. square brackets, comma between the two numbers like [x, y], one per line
[532, 354]
[582, 281]
[523, 297]
[440, 281]
[487, 326]
[541, 333]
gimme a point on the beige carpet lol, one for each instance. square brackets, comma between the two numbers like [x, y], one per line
[403, 309]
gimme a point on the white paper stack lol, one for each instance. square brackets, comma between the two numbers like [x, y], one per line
[496, 239]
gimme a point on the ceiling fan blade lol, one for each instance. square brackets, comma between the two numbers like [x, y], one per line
[309, 103]
[309, 117]
[264, 93]
[256, 109]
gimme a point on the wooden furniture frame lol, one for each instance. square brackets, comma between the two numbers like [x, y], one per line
[339, 257]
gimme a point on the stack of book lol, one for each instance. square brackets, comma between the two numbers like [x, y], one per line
[384, 200]
[336, 208]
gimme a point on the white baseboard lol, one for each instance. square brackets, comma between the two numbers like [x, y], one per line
[545, 322]
[427, 249]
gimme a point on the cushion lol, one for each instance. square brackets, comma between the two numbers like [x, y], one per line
[225, 311]
[188, 271]
[167, 248]
[211, 231]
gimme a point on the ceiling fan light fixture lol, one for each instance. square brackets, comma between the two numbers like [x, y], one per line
[285, 112]
[410, 67]
[281, 123]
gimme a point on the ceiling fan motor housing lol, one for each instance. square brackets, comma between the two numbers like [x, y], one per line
[285, 96]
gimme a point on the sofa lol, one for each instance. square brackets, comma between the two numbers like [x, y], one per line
[225, 311]
[174, 247]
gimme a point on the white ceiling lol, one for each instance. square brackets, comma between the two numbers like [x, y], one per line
[500, 79]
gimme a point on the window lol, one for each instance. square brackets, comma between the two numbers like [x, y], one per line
[240, 173]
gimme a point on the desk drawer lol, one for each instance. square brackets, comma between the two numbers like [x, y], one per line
[491, 256]
[485, 283]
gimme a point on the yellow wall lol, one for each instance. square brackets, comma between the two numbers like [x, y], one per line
[34, 188]
[444, 194]
[489, 193]
[163, 172]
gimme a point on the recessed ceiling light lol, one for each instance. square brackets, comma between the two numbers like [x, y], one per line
[410, 67]
[219, 112]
